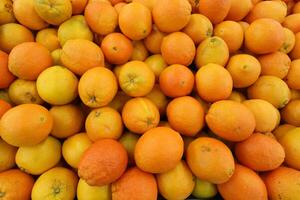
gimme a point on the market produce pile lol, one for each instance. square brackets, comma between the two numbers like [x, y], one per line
[149, 99]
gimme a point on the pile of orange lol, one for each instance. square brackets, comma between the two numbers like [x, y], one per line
[149, 99]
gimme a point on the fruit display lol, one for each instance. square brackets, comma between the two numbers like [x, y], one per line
[149, 99]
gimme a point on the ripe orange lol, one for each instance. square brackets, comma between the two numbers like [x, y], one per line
[29, 66]
[176, 81]
[275, 64]
[6, 77]
[154, 39]
[186, 125]
[101, 17]
[213, 82]
[244, 70]
[159, 99]
[276, 10]
[291, 112]
[130, 26]
[119, 101]
[281, 130]
[215, 10]
[292, 78]
[157, 64]
[117, 48]
[136, 79]
[294, 54]
[198, 28]
[7, 14]
[7, 159]
[239, 9]
[15, 184]
[232, 33]
[230, 120]
[102, 123]
[78, 6]
[171, 15]
[140, 115]
[97, 87]
[67, 120]
[255, 189]
[264, 36]
[48, 38]
[19, 128]
[292, 22]
[140, 51]
[212, 50]
[178, 48]
[237, 96]
[260, 152]
[103, 162]
[158, 150]
[272, 89]
[210, 160]
[283, 183]
[135, 184]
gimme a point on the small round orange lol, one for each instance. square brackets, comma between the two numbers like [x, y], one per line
[292, 22]
[158, 150]
[239, 9]
[289, 41]
[215, 10]
[154, 39]
[292, 78]
[48, 38]
[140, 51]
[230, 120]
[291, 113]
[282, 129]
[176, 81]
[294, 54]
[6, 77]
[213, 82]
[159, 99]
[4, 107]
[78, 6]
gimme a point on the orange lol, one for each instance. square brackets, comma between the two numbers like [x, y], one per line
[101, 17]
[260, 152]
[80, 55]
[136, 79]
[8, 154]
[15, 184]
[12, 34]
[178, 183]
[213, 83]
[292, 78]
[255, 189]
[272, 89]
[148, 3]
[26, 15]
[157, 64]
[210, 160]
[87, 192]
[204, 189]
[244, 25]
[140, 115]
[198, 28]
[275, 64]
[232, 33]
[244, 70]
[292, 22]
[239, 9]
[215, 10]
[178, 48]
[140, 51]
[135, 184]
[130, 26]
[154, 39]
[54, 12]
[102, 123]
[97, 87]
[291, 113]
[295, 94]
[129, 140]
[19, 128]
[212, 50]
[294, 54]
[282, 129]
[117, 48]
[171, 15]
[176, 81]
[103, 162]
[68, 120]
[29, 66]
[237, 96]
[6, 77]
[48, 38]
[264, 36]
[186, 125]
[290, 143]
[276, 10]
[119, 101]
[282, 183]
[78, 6]
[56, 54]
[158, 98]
[118, 7]
[265, 114]
[158, 150]
[21, 91]
[7, 14]
[230, 120]
[4, 107]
